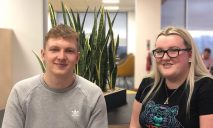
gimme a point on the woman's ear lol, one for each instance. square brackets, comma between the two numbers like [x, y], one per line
[190, 56]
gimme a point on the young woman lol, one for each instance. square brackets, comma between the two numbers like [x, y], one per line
[179, 93]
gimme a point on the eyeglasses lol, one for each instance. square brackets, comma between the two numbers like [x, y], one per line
[172, 52]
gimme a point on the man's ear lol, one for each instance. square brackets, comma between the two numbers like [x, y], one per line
[42, 54]
[78, 57]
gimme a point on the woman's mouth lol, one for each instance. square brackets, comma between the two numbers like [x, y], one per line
[167, 65]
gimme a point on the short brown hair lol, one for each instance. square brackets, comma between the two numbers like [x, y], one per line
[207, 50]
[62, 31]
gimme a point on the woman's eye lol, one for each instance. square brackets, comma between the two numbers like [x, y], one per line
[173, 50]
[159, 51]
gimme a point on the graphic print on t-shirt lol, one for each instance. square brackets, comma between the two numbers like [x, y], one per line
[160, 116]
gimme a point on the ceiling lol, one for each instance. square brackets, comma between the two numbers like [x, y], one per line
[81, 5]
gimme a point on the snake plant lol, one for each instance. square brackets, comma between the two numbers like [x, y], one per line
[98, 51]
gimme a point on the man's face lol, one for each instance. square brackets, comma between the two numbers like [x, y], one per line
[206, 55]
[60, 56]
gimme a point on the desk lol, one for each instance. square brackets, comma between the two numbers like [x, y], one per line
[122, 115]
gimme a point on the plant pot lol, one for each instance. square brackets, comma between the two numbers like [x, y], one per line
[115, 98]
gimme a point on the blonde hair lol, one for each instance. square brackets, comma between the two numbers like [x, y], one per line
[197, 68]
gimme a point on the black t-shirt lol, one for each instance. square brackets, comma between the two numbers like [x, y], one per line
[156, 114]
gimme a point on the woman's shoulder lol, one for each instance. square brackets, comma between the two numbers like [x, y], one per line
[144, 87]
[147, 80]
[203, 95]
[204, 84]
[204, 81]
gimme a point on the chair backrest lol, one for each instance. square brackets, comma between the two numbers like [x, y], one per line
[125, 67]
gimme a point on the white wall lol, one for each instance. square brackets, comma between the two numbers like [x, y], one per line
[147, 19]
[131, 32]
[27, 20]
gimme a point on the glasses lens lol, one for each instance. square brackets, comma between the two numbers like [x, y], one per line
[158, 53]
[173, 52]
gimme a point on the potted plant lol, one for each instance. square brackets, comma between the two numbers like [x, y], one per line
[98, 52]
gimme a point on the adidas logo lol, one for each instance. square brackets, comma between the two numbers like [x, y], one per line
[75, 113]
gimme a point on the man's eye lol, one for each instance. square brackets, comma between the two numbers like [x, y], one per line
[54, 49]
[71, 50]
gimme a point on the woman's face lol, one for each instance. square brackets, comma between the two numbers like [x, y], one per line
[174, 65]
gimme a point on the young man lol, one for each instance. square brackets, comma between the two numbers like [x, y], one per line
[58, 98]
[207, 58]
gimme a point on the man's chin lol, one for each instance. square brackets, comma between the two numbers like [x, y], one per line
[61, 73]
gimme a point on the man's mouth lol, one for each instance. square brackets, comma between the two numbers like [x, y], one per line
[60, 64]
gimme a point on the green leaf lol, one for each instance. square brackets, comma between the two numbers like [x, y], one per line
[98, 51]
[82, 26]
[64, 13]
[74, 20]
[52, 15]
[70, 19]
[40, 61]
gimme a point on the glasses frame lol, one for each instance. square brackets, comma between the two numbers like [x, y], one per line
[166, 51]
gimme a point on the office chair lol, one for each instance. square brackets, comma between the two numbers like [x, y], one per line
[125, 70]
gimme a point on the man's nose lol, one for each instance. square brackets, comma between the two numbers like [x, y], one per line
[61, 55]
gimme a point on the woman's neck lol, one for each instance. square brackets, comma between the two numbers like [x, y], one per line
[174, 84]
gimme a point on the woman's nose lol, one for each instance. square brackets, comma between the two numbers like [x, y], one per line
[166, 56]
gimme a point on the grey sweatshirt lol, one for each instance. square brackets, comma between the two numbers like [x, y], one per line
[32, 104]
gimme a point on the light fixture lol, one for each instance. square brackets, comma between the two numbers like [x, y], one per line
[110, 1]
[111, 7]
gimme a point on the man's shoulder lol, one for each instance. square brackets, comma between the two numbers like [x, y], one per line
[24, 88]
[28, 83]
[87, 86]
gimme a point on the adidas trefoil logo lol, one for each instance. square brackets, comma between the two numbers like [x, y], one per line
[75, 113]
